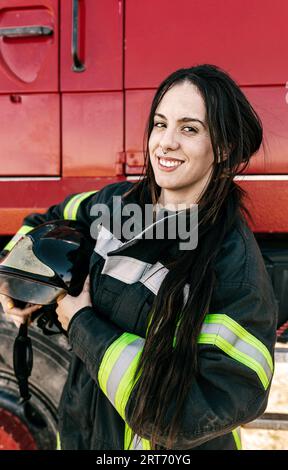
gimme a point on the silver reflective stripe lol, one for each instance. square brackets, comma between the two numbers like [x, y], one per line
[106, 242]
[225, 333]
[154, 277]
[125, 269]
[128, 269]
[121, 366]
[137, 443]
[186, 291]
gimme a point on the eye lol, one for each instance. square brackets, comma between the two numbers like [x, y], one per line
[190, 129]
[159, 124]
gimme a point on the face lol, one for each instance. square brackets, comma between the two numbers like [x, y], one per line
[180, 130]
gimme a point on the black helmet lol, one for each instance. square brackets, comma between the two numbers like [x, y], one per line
[50, 260]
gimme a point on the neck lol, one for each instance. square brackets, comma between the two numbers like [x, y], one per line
[186, 196]
[173, 199]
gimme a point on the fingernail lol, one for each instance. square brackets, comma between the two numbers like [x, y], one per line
[10, 304]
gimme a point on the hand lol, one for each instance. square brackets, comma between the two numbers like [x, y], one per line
[17, 315]
[69, 305]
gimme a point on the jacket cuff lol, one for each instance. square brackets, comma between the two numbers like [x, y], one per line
[90, 336]
[84, 309]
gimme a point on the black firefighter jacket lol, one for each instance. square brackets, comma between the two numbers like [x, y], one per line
[235, 345]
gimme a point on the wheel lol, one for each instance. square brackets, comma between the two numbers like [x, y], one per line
[33, 425]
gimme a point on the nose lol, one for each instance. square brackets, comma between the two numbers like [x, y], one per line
[169, 140]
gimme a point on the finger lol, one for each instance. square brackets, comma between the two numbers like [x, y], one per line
[17, 320]
[14, 315]
[23, 312]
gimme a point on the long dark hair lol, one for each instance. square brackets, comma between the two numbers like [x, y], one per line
[166, 368]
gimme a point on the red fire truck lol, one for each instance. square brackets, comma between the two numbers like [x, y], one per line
[76, 82]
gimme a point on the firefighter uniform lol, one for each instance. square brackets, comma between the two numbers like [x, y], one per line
[235, 346]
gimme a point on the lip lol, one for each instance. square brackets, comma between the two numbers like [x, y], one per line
[169, 158]
[168, 169]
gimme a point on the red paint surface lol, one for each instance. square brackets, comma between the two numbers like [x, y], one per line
[29, 64]
[32, 145]
[248, 38]
[267, 200]
[14, 434]
[92, 126]
[100, 46]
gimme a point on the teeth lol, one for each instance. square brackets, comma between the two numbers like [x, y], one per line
[169, 163]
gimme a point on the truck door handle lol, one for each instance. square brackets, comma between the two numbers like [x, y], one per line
[77, 66]
[26, 31]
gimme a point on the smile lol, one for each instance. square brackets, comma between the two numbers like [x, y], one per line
[168, 164]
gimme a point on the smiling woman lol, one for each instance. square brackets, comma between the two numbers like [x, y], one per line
[172, 346]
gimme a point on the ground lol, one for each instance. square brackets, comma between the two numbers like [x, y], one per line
[261, 439]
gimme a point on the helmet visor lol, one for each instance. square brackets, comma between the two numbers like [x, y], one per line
[23, 259]
[28, 290]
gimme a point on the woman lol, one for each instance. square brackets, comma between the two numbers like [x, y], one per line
[173, 348]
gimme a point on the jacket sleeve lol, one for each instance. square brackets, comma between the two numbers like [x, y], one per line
[236, 346]
[74, 207]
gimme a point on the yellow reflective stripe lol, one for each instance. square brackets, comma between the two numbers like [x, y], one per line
[111, 356]
[58, 442]
[146, 444]
[22, 231]
[134, 442]
[237, 438]
[232, 338]
[241, 332]
[128, 444]
[239, 356]
[71, 208]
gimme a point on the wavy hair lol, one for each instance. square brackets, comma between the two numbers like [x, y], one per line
[166, 367]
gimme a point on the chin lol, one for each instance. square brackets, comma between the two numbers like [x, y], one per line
[166, 182]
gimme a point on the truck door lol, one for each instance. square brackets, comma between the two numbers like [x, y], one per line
[61, 87]
[29, 99]
[91, 83]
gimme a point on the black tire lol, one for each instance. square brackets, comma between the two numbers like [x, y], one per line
[51, 359]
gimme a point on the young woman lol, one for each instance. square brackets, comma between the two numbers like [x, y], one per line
[173, 348]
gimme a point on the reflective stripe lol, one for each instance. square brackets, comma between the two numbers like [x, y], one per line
[237, 438]
[128, 269]
[22, 231]
[106, 242]
[225, 333]
[117, 382]
[58, 442]
[154, 277]
[119, 366]
[125, 268]
[137, 442]
[71, 208]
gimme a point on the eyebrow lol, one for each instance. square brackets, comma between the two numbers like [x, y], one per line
[184, 119]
